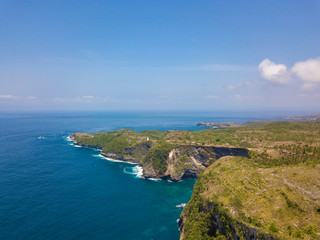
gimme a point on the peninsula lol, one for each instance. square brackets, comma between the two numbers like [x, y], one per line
[255, 181]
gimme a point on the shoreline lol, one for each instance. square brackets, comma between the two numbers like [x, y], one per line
[140, 168]
[137, 164]
[115, 160]
[100, 150]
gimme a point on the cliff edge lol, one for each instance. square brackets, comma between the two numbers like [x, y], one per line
[158, 158]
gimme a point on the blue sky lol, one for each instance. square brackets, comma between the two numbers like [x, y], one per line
[160, 55]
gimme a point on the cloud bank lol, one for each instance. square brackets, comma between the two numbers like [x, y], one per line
[306, 71]
[10, 97]
[84, 99]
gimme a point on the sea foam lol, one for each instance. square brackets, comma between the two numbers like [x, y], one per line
[181, 205]
[68, 139]
[136, 171]
[113, 160]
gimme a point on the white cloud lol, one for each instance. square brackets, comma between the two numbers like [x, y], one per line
[9, 97]
[87, 97]
[274, 72]
[241, 97]
[17, 100]
[32, 98]
[12, 97]
[83, 99]
[308, 71]
[212, 97]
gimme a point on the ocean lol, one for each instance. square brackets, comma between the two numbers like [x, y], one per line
[50, 189]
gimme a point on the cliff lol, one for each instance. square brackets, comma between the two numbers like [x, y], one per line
[159, 159]
[187, 161]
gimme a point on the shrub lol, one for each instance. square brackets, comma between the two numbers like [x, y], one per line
[273, 228]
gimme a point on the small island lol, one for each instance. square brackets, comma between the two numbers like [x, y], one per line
[258, 180]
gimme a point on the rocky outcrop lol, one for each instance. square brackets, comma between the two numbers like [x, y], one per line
[189, 161]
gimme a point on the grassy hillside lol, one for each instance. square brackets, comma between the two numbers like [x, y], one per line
[274, 193]
[280, 201]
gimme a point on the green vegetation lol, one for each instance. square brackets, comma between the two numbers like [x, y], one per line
[157, 156]
[199, 212]
[271, 143]
[154, 134]
[109, 140]
[268, 199]
[273, 228]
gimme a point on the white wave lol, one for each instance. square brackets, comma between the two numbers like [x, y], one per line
[136, 171]
[68, 139]
[181, 205]
[96, 149]
[41, 137]
[140, 171]
[155, 179]
[112, 160]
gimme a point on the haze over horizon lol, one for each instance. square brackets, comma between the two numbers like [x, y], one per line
[160, 55]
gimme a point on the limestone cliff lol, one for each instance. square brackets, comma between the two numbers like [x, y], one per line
[159, 159]
[188, 161]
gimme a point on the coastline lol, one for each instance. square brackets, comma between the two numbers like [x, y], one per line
[140, 168]
[175, 171]
[115, 160]
[100, 155]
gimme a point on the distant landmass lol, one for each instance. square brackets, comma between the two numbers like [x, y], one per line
[302, 117]
[218, 125]
[258, 180]
[230, 124]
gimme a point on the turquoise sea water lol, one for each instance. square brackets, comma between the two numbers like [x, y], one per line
[50, 189]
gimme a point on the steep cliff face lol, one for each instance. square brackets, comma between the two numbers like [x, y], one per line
[189, 161]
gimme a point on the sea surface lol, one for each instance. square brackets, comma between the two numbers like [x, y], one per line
[50, 189]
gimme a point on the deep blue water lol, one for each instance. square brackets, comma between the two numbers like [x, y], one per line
[50, 189]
